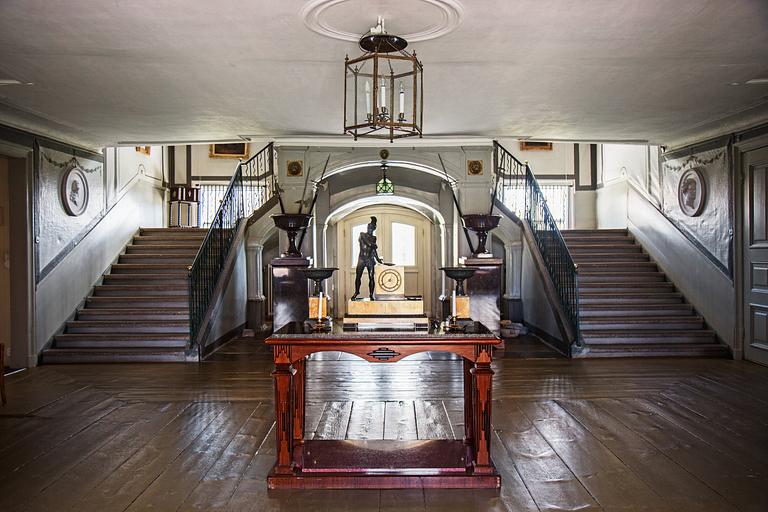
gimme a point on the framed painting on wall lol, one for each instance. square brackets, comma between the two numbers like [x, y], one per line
[233, 150]
[535, 146]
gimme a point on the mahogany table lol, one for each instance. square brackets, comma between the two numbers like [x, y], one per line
[382, 464]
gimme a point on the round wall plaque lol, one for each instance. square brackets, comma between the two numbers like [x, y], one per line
[692, 192]
[74, 192]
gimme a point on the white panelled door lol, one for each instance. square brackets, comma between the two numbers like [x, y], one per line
[404, 238]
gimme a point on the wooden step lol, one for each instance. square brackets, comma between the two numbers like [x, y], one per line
[655, 350]
[163, 249]
[169, 279]
[620, 277]
[625, 287]
[190, 231]
[121, 340]
[629, 323]
[584, 249]
[595, 267]
[580, 232]
[609, 257]
[139, 258]
[603, 310]
[114, 326]
[113, 355]
[610, 336]
[610, 298]
[134, 314]
[150, 268]
[590, 239]
[147, 301]
[137, 290]
[166, 240]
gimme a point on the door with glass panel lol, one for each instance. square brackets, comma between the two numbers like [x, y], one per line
[404, 237]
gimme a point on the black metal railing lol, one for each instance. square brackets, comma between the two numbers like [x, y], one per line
[251, 186]
[512, 177]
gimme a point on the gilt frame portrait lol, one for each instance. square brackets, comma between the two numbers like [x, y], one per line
[230, 150]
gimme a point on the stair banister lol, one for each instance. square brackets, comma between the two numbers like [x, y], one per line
[251, 186]
[513, 176]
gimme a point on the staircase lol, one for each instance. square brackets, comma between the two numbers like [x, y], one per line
[627, 307]
[140, 311]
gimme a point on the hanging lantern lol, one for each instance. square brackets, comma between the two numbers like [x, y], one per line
[383, 89]
[384, 187]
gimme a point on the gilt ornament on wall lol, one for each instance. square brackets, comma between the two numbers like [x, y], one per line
[475, 167]
[294, 168]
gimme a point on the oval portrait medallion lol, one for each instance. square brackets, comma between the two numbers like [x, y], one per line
[692, 192]
[74, 192]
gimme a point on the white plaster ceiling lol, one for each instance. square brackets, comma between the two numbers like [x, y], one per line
[115, 71]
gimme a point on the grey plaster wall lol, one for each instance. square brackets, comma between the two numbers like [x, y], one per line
[710, 291]
[536, 311]
[611, 205]
[60, 292]
[55, 229]
[230, 312]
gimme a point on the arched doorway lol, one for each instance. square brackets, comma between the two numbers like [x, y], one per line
[405, 237]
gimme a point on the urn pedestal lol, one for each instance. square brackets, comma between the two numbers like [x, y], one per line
[289, 291]
[484, 290]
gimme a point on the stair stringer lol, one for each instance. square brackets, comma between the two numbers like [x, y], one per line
[564, 338]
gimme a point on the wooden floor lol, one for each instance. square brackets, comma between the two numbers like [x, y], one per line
[625, 435]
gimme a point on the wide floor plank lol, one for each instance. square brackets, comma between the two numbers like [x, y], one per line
[682, 435]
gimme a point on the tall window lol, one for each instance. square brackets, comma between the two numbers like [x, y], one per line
[403, 244]
[558, 199]
[211, 196]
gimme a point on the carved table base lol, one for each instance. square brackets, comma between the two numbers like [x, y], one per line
[382, 464]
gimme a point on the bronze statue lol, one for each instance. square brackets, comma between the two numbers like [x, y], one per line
[367, 259]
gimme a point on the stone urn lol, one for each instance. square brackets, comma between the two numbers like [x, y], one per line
[318, 275]
[292, 224]
[480, 223]
[459, 274]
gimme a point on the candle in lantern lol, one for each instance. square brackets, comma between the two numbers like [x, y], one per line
[402, 98]
[367, 97]
[383, 95]
[320, 308]
[453, 304]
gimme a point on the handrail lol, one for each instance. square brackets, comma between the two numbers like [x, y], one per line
[251, 186]
[514, 177]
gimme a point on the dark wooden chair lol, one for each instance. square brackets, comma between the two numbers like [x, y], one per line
[2, 374]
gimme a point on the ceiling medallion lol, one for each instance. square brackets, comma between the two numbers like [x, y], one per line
[383, 88]
[444, 18]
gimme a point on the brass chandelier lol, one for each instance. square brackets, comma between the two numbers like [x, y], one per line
[383, 88]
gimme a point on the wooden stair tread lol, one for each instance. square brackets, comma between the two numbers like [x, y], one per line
[628, 308]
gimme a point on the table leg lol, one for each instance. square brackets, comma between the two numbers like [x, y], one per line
[483, 378]
[282, 374]
[299, 393]
[468, 410]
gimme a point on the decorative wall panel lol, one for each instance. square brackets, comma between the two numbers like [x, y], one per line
[66, 208]
[697, 199]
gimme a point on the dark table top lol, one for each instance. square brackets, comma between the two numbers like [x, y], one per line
[302, 331]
